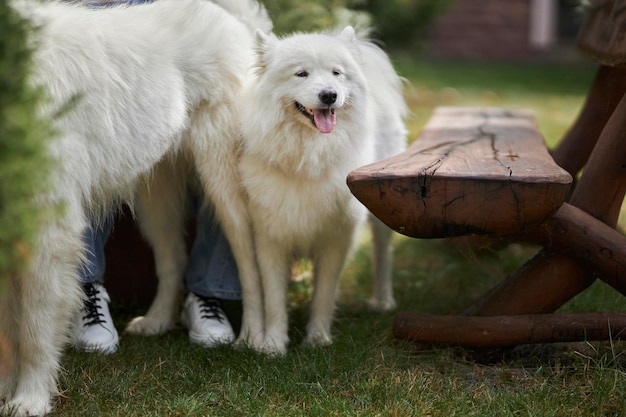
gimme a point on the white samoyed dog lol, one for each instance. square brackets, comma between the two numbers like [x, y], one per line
[316, 107]
[137, 84]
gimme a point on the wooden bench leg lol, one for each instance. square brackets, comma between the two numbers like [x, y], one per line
[594, 244]
[606, 91]
[542, 285]
[550, 279]
[504, 331]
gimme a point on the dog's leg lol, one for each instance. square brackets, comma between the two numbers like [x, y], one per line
[161, 213]
[327, 269]
[274, 264]
[49, 296]
[382, 297]
[212, 136]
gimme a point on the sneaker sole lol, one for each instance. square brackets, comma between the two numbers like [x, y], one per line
[104, 349]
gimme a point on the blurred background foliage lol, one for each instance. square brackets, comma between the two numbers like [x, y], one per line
[24, 164]
[399, 24]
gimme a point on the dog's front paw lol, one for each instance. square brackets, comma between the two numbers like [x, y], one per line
[275, 344]
[382, 305]
[21, 407]
[318, 337]
[248, 340]
[147, 326]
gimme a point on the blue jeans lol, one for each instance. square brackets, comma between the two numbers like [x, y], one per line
[211, 271]
[95, 238]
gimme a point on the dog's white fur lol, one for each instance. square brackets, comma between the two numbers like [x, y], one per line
[139, 83]
[161, 209]
[295, 176]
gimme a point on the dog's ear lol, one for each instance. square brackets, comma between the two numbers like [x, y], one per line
[263, 42]
[348, 34]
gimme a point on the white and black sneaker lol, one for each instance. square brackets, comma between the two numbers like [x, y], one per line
[93, 329]
[206, 321]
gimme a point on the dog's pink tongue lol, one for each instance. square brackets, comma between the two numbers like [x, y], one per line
[324, 120]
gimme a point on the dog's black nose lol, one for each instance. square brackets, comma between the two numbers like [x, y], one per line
[328, 96]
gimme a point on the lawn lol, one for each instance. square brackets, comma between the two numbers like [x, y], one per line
[367, 372]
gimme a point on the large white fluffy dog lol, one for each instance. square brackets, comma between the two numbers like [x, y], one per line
[318, 106]
[141, 82]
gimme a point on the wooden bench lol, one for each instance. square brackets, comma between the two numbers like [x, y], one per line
[453, 181]
[471, 170]
[487, 171]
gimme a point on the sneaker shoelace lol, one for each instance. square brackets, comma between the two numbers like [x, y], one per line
[211, 309]
[92, 315]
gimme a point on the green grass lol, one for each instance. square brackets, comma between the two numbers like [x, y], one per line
[367, 372]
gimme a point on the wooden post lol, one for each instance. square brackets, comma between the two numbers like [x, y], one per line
[574, 149]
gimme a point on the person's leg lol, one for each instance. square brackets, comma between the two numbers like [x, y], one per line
[211, 277]
[93, 329]
[92, 270]
[212, 270]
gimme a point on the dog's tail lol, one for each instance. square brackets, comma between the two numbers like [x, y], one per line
[252, 13]
[386, 91]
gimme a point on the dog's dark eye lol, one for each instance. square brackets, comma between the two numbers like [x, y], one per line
[336, 72]
[302, 74]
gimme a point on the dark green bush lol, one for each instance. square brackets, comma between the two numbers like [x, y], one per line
[305, 15]
[398, 23]
[403, 23]
[24, 164]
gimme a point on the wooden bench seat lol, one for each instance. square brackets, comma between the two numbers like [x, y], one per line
[471, 170]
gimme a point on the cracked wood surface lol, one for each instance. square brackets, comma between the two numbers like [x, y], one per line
[471, 170]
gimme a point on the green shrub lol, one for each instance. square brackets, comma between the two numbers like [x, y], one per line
[304, 16]
[398, 23]
[24, 165]
[403, 23]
